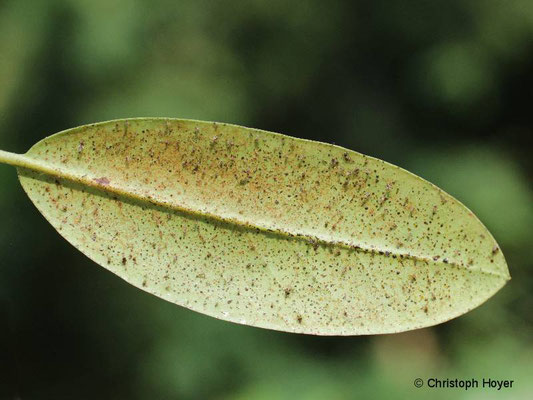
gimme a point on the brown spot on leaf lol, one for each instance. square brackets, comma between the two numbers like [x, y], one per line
[102, 181]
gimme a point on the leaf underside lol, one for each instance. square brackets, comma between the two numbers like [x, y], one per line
[264, 229]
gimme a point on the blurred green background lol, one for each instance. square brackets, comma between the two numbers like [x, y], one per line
[442, 88]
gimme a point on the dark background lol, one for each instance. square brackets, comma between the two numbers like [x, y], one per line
[442, 88]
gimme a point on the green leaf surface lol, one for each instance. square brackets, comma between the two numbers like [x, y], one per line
[263, 229]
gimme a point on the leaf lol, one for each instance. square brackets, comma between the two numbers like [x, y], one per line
[263, 229]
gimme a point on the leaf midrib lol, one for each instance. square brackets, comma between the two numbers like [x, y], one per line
[25, 161]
